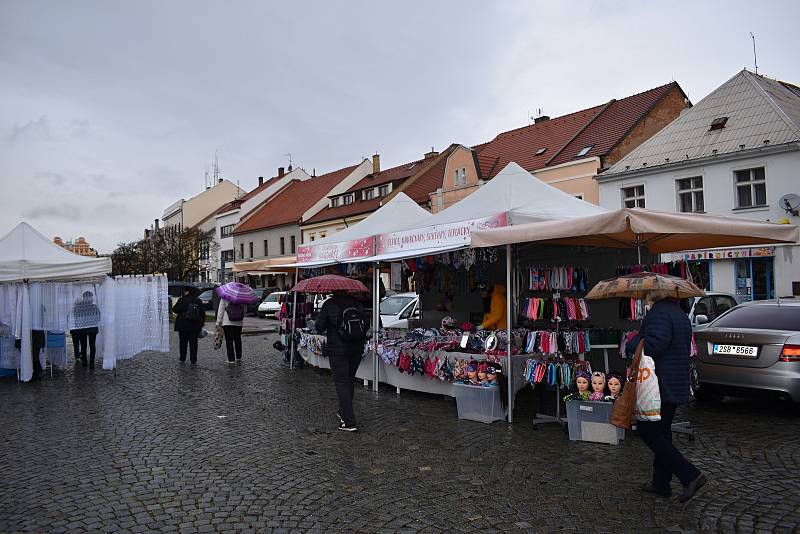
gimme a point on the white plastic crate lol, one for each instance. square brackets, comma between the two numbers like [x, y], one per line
[591, 421]
[478, 403]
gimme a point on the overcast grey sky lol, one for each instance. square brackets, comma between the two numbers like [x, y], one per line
[110, 110]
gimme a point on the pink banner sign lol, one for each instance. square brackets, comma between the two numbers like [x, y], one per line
[324, 253]
[439, 236]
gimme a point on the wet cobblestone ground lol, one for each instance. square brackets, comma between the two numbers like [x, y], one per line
[166, 447]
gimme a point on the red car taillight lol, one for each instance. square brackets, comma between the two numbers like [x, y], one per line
[790, 353]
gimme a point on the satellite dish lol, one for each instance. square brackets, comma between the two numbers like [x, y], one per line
[790, 203]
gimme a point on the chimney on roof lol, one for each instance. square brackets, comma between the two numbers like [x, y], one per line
[431, 154]
[376, 163]
[280, 172]
[260, 181]
[541, 118]
[219, 181]
[290, 168]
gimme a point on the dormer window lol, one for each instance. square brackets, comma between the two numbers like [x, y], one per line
[347, 199]
[541, 151]
[383, 190]
[335, 202]
[718, 123]
[584, 151]
[368, 194]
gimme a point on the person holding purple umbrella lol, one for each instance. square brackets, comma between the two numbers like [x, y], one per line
[234, 297]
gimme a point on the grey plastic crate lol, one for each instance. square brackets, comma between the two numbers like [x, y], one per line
[478, 403]
[591, 421]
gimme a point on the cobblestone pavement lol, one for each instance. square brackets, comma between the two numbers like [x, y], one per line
[168, 447]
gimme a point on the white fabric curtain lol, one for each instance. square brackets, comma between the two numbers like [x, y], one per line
[131, 315]
[136, 317]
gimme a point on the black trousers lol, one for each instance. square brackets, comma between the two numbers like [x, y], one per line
[38, 342]
[668, 460]
[233, 342]
[188, 339]
[87, 338]
[343, 368]
[75, 334]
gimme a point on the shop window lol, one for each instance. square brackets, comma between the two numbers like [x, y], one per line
[690, 195]
[383, 190]
[292, 243]
[368, 194]
[283, 246]
[751, 188]
[633, 197]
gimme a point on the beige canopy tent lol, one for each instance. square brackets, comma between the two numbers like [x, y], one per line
[656, 231]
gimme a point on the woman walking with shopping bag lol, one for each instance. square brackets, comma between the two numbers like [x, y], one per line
[234, 298]
[666, 336]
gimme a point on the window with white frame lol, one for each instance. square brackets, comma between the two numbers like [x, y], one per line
[383, 190]
[335, 202]
[751, 188]
[347, 199]
[690, 194]
[633, 197]
[460, 177]
[368, 194]
[226, 231]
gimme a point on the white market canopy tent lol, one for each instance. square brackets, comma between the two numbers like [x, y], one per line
[25, 254]
[512, 197]
[357, 242]
[40, 282]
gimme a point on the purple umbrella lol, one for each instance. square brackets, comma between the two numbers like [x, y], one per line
[237, 293]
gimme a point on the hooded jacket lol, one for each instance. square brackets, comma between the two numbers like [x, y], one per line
[496, 318]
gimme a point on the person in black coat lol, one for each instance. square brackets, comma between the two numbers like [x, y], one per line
[188, 328]
[667, 334]
[344, 356]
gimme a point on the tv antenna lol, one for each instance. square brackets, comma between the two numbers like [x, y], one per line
[217, 168]
[755, 58]
[289, 155]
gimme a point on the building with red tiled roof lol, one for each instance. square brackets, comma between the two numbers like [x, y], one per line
[368, 195]
[272, 229]
[569, 151]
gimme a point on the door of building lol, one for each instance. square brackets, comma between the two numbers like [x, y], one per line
[755, 279]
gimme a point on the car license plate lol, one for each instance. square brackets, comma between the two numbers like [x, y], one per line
[736, 350]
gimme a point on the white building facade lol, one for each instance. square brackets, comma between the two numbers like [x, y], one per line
[736, 153]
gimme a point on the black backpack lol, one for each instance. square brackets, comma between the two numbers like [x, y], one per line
[351, 325]
[194, 312]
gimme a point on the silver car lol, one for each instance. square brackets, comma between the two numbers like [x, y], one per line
[753, 348]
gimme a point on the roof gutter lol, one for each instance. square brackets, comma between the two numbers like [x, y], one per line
[698, 162]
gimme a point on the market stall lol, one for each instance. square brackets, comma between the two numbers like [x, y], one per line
[45, 288]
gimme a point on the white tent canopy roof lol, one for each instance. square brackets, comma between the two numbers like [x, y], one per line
[25, 254]
[522, 197]
[390, 217]
[518, 194]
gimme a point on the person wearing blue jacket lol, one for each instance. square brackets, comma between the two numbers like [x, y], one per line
[667, 334]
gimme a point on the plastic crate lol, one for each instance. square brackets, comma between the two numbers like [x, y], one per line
[478, 403]
[591, 421]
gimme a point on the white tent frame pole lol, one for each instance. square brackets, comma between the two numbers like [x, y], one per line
[294, 319]
[376, 298]
[509, 366]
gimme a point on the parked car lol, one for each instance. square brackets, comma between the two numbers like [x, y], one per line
[261, 293]
[752, 348]
[270, 305]
[207, 297]
[398, 309]
[703, 310]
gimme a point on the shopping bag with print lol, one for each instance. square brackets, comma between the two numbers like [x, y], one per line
[648, 396]
[218, 338]
[622, 412]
